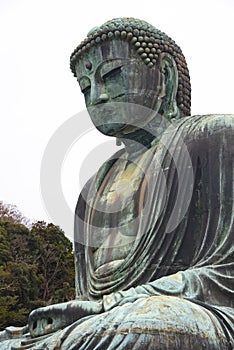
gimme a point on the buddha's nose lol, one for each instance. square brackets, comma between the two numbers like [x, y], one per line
[103, 97]
[98, 96]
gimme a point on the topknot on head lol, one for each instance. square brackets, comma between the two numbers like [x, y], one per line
[146, 39]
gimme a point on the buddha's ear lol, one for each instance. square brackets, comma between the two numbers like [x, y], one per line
[169, 86]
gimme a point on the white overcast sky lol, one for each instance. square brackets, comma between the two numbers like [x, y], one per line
[38, 92]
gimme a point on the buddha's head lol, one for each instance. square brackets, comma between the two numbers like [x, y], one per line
[130, 72]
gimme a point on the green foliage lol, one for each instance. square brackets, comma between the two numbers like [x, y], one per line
[36, 269]
[10, 213]
[5, 251]
[55, 259]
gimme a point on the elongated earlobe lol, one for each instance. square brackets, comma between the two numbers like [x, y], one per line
[118, 142]
[169, 106]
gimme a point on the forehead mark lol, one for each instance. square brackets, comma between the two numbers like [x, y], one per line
[88, 65]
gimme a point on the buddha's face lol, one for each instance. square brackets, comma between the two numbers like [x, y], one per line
[121, 93]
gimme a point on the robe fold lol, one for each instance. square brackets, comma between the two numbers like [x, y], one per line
[175, 287]
[184, 239]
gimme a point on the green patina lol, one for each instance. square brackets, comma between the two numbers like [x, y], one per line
[154, 227]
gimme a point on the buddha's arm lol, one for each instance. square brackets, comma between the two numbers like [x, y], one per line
[211, 285]
[211, 281]
[54, 317]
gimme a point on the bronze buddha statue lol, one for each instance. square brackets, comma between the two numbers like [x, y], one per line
[154, 227]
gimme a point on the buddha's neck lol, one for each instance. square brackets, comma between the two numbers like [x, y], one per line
[138, 142]
[142, 139]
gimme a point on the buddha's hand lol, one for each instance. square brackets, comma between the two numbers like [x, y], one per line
[52, 318]
[122, 297]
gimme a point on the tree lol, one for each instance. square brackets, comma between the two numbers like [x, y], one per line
[5, 250]
[10, 213]
[36, 267]
[53, 253]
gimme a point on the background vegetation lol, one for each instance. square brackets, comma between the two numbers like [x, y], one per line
[36, 266]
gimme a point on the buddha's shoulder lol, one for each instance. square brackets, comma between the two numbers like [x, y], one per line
[206, 125]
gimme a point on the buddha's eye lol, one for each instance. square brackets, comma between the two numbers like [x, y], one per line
[86, 90]
[112, 73]
[85, 85]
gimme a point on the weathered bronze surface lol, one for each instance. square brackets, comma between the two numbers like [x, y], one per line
[154, 226]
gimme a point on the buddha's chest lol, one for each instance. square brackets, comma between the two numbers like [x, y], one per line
[114, 217]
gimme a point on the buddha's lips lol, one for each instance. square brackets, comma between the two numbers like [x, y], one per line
[119, 113]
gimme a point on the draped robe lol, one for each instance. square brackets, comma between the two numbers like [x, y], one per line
[194, 259]
[175, 287]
